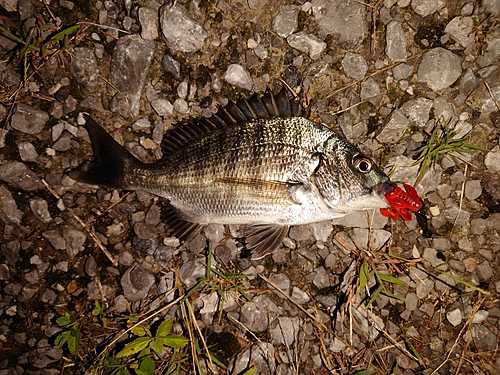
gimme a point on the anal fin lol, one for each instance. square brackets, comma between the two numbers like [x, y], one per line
[262, 239]
[176, 226]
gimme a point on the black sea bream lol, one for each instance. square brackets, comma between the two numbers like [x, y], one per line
[258, 162]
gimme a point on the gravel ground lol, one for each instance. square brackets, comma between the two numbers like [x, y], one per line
[384, 73]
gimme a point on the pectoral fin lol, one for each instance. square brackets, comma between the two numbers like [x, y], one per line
[262, 239]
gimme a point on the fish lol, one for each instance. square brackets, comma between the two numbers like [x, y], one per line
[258, 162]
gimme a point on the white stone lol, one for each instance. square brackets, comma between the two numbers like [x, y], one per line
[480, 316]
[162, 107]
[460, 29]
[336, 345]
[439, 68]
[252, 43]
[397, 123]
[395, 48]
[148, 18]
[181, 33]
[9, 5]
[425, 7]
[492, 160]
[286, 22]
[354, 65]
[299, 296]
[307, 43]
[210, 303]
[237, 75]
[434, 210]
[454, 317]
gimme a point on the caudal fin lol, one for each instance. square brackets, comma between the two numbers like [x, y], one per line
[111, 161]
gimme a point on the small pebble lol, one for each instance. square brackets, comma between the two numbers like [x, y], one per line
[454, 317]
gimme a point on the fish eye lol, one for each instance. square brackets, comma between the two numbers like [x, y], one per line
[363, 164]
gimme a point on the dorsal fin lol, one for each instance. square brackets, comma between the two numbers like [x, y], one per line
[267, 106]
[270, 103]
[258, 106]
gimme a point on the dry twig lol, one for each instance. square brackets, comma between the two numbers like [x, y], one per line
[466, 326]
[461, 199]
[373, 74]
[492, 95]
[294, 302]
[87, 228]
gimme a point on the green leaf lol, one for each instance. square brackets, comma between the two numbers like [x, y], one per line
[65, 320]
[139, 331]
[442, 142]
[414, 351]
[250, 371]
[157, 345]
[164, 328]
[132, 318]
[462, 150]
[375, 295]
[148, 366]
[246, 296]
[134, 347]
[463, 282]
[62, 338]
[74, 339]
[363, 276]
[217, 362]
[388, 294]
[61, 34]
[9, 35]
[365, 372]
[99, 308]
[390, 279]
[110, 362]
[474, 147]
[48, 26]
[71, 338]
[175, 342]
[144, 352]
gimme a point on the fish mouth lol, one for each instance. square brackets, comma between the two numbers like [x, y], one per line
[383, 188]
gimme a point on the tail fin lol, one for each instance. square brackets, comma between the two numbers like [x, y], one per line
[111, 161]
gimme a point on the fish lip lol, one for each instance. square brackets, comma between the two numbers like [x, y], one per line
[383, 188]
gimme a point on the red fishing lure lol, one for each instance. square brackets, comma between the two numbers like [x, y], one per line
[401, 201]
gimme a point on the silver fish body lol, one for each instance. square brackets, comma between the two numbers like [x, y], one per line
[268, 173]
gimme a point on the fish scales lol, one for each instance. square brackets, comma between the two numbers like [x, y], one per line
[259, 162]
[233, 175]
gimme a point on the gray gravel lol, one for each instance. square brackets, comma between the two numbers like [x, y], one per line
[383, 74]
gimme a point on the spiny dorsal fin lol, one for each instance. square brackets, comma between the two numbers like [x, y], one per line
[267, 106]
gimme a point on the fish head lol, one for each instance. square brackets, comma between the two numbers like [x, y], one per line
[350, 181]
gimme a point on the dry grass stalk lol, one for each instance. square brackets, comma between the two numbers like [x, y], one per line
[492, 95]
[466, 327]
[87, 228]
[378, 71]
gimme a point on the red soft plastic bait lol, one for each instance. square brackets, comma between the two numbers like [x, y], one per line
[401, 201]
